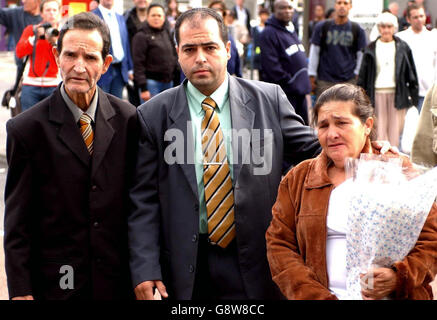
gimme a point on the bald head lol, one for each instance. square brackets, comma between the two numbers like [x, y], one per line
[283, 10]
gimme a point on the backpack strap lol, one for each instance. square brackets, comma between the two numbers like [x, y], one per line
[325, 28]
[355, 33]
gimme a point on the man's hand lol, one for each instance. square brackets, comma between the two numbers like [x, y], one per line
[40, 31]
[313, 83]
[384, 146]
[23, 298]
[145, 95]
[378, 283]
[146, 290]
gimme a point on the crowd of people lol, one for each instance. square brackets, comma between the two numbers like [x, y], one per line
[201, 184]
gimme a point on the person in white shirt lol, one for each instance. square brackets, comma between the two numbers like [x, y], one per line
[389, 77]
[121, 69]
[424, 47]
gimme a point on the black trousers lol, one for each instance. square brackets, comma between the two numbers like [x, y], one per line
[218, 275]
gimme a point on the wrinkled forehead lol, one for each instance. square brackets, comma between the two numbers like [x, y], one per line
[199, 29]
[84, 40]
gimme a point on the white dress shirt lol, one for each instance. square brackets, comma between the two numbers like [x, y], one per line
[111, 20]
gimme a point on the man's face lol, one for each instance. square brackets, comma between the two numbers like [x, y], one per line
[50, 12]
[80, 62]
[203, 55]
[283, 10]
[342, 8]
[142, 4]
[108, 4]
[417, 19]
[30, 5]
[156, 17]
[319, 12]
[239, 3]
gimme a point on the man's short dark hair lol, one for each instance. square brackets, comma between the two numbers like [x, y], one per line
[86, 21]
[201, 14]
[413, 6]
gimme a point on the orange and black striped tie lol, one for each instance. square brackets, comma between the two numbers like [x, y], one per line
[87, 131]
[219, 193]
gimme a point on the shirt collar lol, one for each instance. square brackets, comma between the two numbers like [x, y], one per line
[220, 95]
[75, 110]
[106, 11]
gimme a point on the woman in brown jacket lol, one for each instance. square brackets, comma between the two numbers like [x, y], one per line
[306, 240]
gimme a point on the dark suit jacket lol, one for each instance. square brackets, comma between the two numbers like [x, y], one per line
[164, 220]
[126, 63]
[64, 207]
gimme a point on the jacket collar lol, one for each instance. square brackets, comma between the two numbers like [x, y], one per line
[318, 173]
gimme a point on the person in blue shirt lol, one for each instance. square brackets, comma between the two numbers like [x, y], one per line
[336, 50]
[283, 58]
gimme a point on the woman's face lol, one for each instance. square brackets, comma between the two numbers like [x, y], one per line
[341, 134]
[156, 17]
[386, 31]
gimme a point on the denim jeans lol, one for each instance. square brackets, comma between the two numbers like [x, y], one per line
[156, 87]
[31, 95]
[419, 105]
[116, 86]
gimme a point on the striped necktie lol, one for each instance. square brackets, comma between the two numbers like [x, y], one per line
[219, 194]
[87, 131]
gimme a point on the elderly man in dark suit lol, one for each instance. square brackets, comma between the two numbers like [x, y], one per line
[121, 68]
[208, 168]
[70, 158]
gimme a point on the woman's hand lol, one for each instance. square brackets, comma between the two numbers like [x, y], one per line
[378, 283]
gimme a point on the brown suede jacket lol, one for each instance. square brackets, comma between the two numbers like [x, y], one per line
[296, 239]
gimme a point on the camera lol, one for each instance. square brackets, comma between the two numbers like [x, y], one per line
[49, 31]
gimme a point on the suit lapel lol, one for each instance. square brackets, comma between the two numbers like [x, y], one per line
[104, 132]
[242, 118]
[180, 117]
[68, 131]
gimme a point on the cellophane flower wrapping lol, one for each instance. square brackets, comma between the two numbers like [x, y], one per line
[388, 209]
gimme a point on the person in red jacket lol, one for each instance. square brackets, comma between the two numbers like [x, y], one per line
[41, 75]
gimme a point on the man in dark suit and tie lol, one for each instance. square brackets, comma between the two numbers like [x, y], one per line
[121, 68]
[208, 168]
[70, 161]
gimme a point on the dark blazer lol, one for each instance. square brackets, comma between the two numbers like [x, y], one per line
[164, 219]
[64, 207]
[407, 84]
[126, 63]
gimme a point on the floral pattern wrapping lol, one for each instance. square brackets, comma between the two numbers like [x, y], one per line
[387, 214]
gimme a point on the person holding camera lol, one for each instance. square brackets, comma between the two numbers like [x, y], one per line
[41, 75]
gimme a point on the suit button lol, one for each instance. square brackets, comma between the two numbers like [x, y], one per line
[94, 188]
[191, 268]
[98, 260]
[194, 239]
[196, 207]
[96, 224]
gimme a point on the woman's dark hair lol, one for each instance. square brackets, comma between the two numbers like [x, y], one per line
[86, 21]
[363, 108]
[198, 14]
[153, 5]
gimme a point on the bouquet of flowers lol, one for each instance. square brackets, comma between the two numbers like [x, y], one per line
[388, 209]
